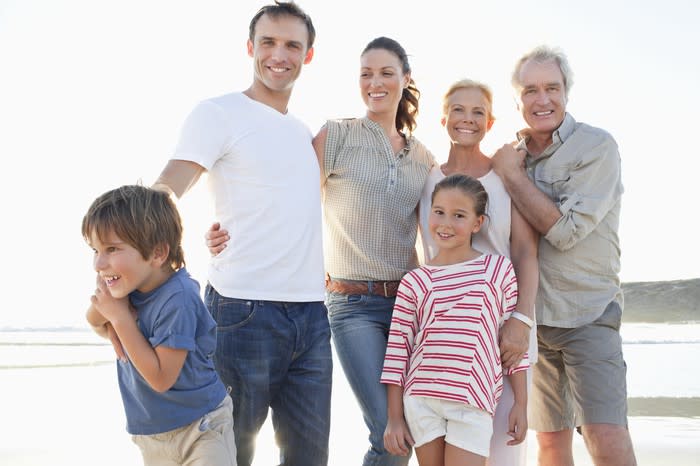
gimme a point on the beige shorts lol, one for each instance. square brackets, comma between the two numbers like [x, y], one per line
[208, 441]
[462, 425]
[580, 376]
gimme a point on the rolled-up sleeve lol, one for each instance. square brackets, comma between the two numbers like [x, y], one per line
[591, 189]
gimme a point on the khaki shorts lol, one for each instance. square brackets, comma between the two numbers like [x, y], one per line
[208, 441]
[462, 425]
[580, 376]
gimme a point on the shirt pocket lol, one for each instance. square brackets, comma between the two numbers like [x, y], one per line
[553, 182]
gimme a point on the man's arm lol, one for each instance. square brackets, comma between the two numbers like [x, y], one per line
[178, 177]
[592, 188]
[533, 204]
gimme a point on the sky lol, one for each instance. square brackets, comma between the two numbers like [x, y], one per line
[93, 93]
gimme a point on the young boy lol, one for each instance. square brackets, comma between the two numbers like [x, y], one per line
[177, 408]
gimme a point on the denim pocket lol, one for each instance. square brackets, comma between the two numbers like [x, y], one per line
[338, 303]
[230, 313]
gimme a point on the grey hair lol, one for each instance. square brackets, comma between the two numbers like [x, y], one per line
[544, 54]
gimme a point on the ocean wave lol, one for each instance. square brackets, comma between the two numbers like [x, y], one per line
[662, 342]
[56, 365]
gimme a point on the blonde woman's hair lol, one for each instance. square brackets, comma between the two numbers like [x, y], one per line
[469, 84]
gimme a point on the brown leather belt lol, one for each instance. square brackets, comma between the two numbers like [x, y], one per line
[379, 288]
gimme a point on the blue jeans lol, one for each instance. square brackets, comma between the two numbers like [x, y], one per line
[276, 355]
[360, 327]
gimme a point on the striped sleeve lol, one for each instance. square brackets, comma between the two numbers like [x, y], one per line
[402, 332]
[509, 285]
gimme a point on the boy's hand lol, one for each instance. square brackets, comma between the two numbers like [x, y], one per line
[517, 423]
[111, 308]
[397, 437]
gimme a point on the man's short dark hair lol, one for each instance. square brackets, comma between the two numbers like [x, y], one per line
[279, 9]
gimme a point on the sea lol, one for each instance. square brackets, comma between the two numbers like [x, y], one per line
[662, 359]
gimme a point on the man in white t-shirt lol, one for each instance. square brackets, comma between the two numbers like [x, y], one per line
[266, 289]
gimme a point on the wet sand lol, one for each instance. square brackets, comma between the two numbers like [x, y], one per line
[73, 416]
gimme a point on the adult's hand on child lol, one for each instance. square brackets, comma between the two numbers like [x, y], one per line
[397, 438]
[216, 239]
[513, 341]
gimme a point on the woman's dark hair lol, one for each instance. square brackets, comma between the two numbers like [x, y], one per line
[408, 106]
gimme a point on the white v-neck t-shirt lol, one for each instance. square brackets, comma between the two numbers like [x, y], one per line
[263, 177]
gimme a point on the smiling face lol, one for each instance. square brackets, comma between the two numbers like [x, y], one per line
[279, 50]
[122, 267]
[467, 116]
[453, 220]
[381, 81]
[541, 97]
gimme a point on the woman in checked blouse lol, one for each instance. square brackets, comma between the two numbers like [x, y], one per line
[373, 172]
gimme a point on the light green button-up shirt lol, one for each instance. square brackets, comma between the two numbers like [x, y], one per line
[579, 257]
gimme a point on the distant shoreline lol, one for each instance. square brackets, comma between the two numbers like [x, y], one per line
[675, 301]
[663, 406]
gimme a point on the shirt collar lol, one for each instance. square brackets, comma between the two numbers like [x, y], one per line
[560, 135]
[366, 121]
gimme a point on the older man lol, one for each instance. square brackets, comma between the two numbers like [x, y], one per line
[564, 177]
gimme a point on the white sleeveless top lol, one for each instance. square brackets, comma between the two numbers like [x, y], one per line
[494, 236]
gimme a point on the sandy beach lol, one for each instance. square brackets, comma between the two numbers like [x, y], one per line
[73, 416]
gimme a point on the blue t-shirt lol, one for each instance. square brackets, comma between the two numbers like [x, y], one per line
[173, 315]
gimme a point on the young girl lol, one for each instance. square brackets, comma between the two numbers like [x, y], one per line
[443, 365]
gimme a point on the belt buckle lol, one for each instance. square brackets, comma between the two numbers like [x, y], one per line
[386, 293]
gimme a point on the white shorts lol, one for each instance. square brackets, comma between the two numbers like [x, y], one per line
[462, 425]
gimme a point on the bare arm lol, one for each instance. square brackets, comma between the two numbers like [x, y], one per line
[397, 437]
[160, 366]
[533, 204]
[517, 419]
[97, 321]
[515, 334]
[103, 328]
[178, 177]
[319, 143]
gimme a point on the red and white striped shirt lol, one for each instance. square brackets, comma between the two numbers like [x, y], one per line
[443, 341]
